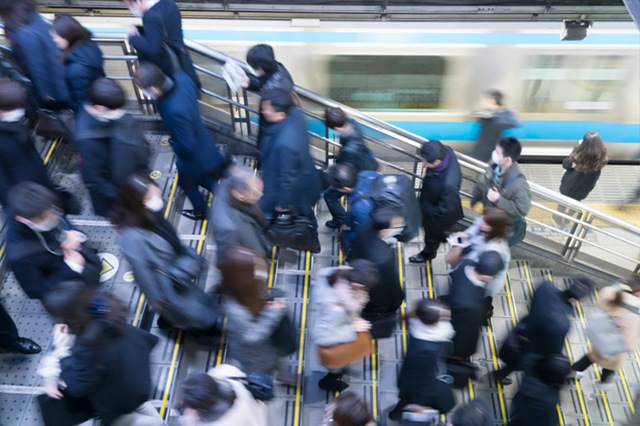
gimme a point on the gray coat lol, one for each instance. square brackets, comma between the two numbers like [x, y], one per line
[333, 322]
[147, 252]
[232, 227]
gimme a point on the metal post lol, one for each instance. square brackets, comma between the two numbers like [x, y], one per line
[247, 112]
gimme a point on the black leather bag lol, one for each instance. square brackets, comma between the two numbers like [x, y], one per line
[185, 269]
[290, 230]
[462, 371]
[285, 337]
[54, 125]
[382, 326]
[511, 350]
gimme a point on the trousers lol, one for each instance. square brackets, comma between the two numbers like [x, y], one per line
[8, 330]
[585, 362]
[332, 197]
[190, 188]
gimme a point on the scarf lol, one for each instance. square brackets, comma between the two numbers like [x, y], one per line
[443, 165]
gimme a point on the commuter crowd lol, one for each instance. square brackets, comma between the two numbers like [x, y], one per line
[98, 365]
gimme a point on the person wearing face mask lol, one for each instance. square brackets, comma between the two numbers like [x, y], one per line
[494, 118]
[154, 251]
[43, 248]
[373, 242]
[198, 160]
[423, 378]
[160, 38]
[439, 197]
[110, 142]
[503, 185]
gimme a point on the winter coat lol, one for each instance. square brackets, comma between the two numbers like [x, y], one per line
[192, 143]
[493, 123]
[466, 300]
[354, 151]
[535, 404]
[420, 380]
[19, 160]
[110, 151]
[291, 179]
[37, 53]
[359, 205]
[83, 67]
[515, 198]
[148, 252]
[119, 381]
[388, 295]
[250, 341]
[575, 184]
[231, 227]
[440, 197]
[39, 270]
[629, 326]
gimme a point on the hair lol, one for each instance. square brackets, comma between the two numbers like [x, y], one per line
[281, 100]
[581, 287]
[429, 311]
[511, 147]
[489, 263]
[342, 176]
[382, 217]
[30, 200]
[129, 210]
[71, 30]
[591, 155]
[201, 392]
[237, 266]
[494, 94]
[106, 93]
[632, 282]
[472, 413]
[433, 150]
[552, 370]
[496, 218]
[149, 75]
[335, 117]
[16, 13]
[12, 95]
[350, 410]
[239, 178]
[360, 271]
[262, 56]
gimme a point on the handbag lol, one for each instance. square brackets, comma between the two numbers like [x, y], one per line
[54, 125]
[382, 326]
[67, 411]
[343, 354]
[185, 269]
[284, 337]
[259, 384]
[462, 371]
[606, 337]
[511, 349]
[290, 230]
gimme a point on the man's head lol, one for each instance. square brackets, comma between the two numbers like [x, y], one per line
[491, 99]
[137, 7]
[473, 413]
[150, 79]
[202, 395]
[244, 185]
[336, 120]
[432, 311]
[581, 287]
[12, 95]
[262, 59]
[275, 105]
[105, 95]
[342, 178]
[507, 152]
[388, 221]
[35, 206]
[488, 265]
[432, 153]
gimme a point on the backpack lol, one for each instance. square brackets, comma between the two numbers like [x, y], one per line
[605, 336]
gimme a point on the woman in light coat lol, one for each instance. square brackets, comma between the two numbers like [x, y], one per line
[622, 303]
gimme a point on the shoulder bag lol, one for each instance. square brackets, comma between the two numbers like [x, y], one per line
[343, 354]
[289, 230]
[259, 384]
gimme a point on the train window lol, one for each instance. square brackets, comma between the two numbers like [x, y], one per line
[573, 83]
[387, 82]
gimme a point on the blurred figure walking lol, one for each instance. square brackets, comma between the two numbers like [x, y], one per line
[494, 118]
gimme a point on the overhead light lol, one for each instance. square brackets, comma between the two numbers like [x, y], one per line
[574, 29]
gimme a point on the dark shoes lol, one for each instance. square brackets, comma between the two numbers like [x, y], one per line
[396, 413]
[334, 224]
[191, 214]
[23, 346]
[421, 258]
[332, 383]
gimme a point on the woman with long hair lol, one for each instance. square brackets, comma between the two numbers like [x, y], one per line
[80, 55]
[582, 171]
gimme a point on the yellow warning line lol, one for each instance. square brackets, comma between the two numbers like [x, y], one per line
[48, 157]
[429, 279]
[296, 418]
[373, 380]
[495, 366]
[402, 308]
[4, 245]
[273, 258]
[224, 332]
[170, 375]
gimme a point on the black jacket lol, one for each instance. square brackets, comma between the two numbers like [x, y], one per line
[440, 197]
[192, 143]
[467, 311]
[119, 380]
[575, 184]
[418, 382]
[388, 295]
[276, 79]
[83, 67]
[39, 270]
[19, 160]
[289, 173]
[493, 124]
[110, 151]
[354, 151]
[535, 404]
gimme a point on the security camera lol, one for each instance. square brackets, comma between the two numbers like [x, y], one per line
[574, 29]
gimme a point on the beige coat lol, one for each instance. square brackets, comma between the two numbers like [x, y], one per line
[630, 327]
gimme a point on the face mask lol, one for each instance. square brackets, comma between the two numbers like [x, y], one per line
[155, 204]
[45, 226]
[495, 157]
[12, 116]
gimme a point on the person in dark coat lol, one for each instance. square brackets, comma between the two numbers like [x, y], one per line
[35, 50]
[372, 243]
[354, 152]
[110, 142]
[291, 180]
[547, 325]
[161, 30]
[439, 197]
[81, 57]
[466, 300]
[108, 368]
[423, 376]
[536, 402]
[10, 340]
[582, 171]
[198, 160]
[494, 119]
[43, 248]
